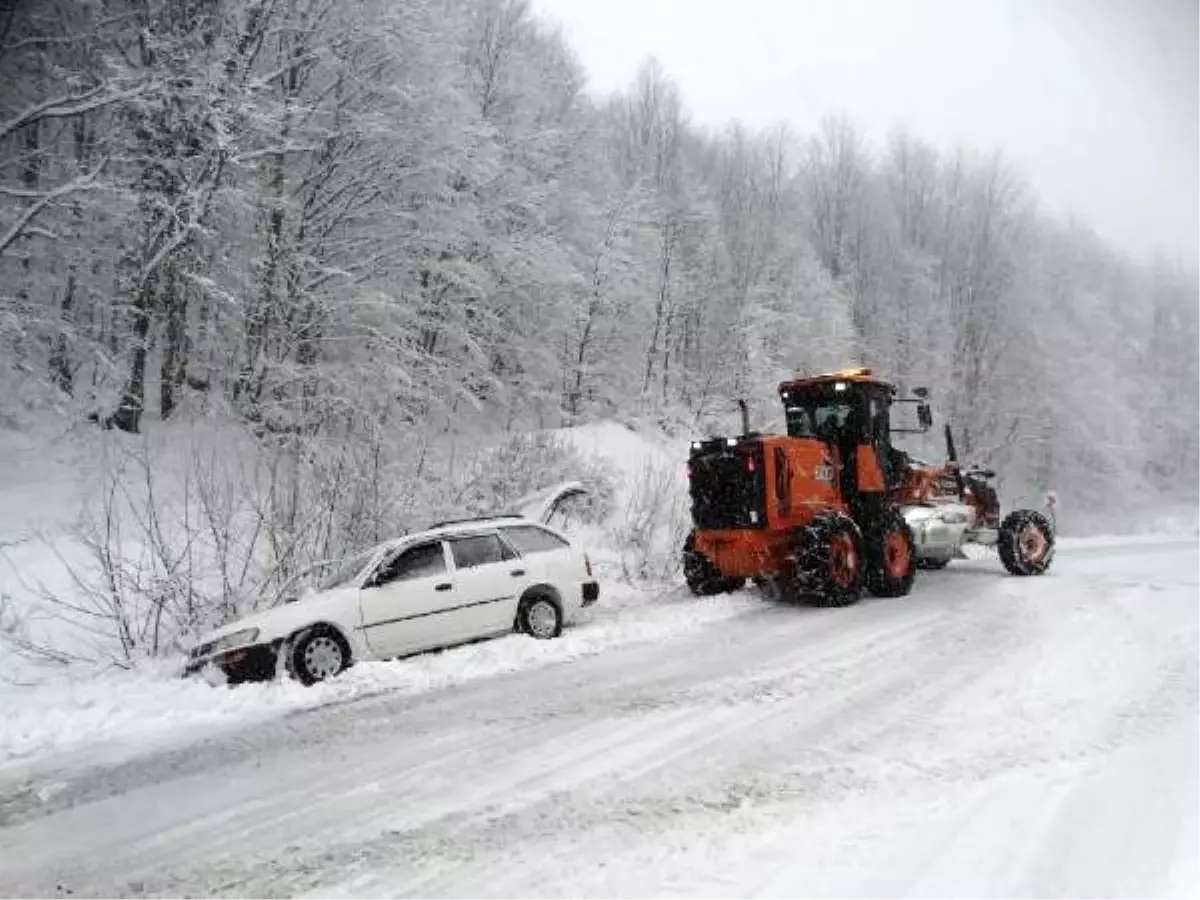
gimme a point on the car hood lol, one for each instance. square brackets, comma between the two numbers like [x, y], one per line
[284, 617]
[254, 620]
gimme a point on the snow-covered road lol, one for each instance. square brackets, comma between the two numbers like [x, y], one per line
[986, 736]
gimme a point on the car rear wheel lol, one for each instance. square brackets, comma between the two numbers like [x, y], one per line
[318, 655]
[540, 617]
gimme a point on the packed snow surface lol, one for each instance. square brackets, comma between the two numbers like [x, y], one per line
[121, 713]
[985, 736]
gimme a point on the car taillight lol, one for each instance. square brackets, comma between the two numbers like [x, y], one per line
[587, 564]
[749, 463]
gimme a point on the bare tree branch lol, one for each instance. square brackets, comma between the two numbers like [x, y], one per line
[82, 183]
[70, 105]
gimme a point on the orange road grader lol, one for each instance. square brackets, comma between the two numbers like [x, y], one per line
[834, 506]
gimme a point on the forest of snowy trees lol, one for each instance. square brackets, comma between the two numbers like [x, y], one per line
[353, 228]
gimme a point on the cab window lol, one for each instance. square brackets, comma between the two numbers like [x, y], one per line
[818, 420]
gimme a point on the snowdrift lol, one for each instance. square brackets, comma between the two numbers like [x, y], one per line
[49, 720]
[120, 713]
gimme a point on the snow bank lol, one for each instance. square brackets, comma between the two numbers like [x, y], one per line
[627, 451]
[124, 714]
[1170, 520]
[650, 507]
[76, 708]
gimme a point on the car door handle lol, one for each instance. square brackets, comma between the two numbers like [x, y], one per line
[444, 586]
[517, 573]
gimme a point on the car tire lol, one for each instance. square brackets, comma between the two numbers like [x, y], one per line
[318, 654]
[540, 616]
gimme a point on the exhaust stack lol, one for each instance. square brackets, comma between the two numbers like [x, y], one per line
[745, 417]
[952, 455]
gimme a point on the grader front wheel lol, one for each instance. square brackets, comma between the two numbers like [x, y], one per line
[1026, 542]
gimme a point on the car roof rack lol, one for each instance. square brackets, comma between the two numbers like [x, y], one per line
[473, 519]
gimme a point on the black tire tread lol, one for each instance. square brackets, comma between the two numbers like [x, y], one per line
[296, 653]
[1006, 544]
[523, 612]
[702, 577]
[811, 579]
[878, 581]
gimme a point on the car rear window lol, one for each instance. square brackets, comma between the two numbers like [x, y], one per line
[531, 539]
[478, 550]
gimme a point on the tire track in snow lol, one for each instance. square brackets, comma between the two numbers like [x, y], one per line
[853, 677]
[489, 787]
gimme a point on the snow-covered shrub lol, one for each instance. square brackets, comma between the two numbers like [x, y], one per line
[191, 528]
[649, 528]
[496, 476]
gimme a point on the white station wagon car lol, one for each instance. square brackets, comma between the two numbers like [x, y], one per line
[457, 582]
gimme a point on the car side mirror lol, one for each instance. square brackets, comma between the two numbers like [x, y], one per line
[924, 416]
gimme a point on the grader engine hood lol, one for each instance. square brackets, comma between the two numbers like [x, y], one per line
[727, 484]
[764, 482]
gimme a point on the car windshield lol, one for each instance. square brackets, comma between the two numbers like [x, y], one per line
[322, 576]
[340, 573]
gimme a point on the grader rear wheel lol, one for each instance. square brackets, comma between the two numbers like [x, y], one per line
[828, 561]
[702, 577]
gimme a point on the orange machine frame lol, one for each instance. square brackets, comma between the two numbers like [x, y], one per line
[802, 477]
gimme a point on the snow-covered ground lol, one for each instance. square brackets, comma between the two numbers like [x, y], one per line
[122, 714]
[986, 736]
[75, 714]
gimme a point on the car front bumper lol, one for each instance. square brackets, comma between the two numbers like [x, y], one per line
[256, 662]
[591, 592]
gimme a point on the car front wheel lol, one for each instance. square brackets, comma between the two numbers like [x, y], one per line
[318, 655]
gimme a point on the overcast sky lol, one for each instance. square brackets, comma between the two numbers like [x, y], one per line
[1096, 101]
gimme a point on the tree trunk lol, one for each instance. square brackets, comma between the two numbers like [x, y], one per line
[60, 363]
[174, 364]
[660, 305]
[128, 416]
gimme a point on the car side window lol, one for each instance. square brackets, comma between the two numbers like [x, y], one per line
[478, 550]
[422, 561]
[531, 539]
